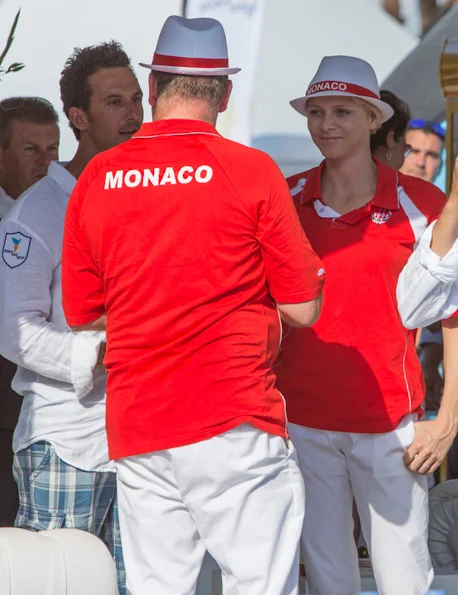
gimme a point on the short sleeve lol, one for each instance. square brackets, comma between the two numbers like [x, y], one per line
[82, 288]
[294, 272]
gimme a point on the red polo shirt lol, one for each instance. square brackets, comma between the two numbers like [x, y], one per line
[184, 238]
[357, 370]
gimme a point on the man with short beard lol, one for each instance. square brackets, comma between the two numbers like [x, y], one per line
[61, 462]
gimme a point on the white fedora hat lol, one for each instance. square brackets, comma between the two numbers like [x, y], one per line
[192, 46]
[347, 77]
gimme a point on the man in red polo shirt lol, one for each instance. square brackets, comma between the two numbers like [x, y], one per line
[191, 280]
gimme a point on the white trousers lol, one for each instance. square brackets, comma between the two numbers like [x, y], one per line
[239, 495]
[392, 504]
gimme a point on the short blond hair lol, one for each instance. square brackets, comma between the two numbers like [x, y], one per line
[211, 89]
[373, 112]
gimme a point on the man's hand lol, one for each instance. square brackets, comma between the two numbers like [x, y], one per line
[100, 324]
[430, 446]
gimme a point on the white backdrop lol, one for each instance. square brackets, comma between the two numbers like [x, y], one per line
[293, 37]
[243, 21]
[49, 30]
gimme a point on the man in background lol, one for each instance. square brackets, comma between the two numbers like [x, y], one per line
[29, 141]
[60, 452]
[426, 140]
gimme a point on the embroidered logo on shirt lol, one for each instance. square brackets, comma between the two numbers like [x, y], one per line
[15, 249]
[381, 216]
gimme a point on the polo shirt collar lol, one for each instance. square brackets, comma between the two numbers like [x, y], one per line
[386, 192]
[61, 175]
[175, 127]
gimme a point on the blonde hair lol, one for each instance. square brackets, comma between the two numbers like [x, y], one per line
[374, 113]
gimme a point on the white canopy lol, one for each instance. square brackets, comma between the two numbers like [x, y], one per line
[295, 36]
[416, 78]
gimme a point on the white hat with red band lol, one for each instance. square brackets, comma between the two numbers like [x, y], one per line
[192, 46]
[344, 76]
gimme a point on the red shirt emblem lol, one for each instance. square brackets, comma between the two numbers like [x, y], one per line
[381, 216]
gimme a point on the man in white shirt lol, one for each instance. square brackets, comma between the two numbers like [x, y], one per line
[29, 140]
[428, 286]
[61, 461]
[427, 291]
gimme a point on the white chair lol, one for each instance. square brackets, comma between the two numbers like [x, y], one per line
[59, 562]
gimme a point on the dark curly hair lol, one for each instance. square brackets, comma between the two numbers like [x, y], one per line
[74, 87]
[397, 123]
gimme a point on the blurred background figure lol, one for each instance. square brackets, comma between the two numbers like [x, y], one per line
[426, 140]
[389, 142]
[29, 141]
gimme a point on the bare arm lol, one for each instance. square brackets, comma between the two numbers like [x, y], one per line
[445, 231]
[301, 315]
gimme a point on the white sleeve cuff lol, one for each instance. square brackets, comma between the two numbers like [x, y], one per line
[85, 353]
[444, 269]
[427, 289]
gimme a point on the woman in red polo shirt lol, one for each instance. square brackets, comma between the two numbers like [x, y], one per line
[353, 383]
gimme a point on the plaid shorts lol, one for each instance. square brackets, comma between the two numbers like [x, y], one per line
[54, 495]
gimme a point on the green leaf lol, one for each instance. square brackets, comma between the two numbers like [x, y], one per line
[16, 67]
[10, 37]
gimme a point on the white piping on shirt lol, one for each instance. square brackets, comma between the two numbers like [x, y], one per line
[177, 134]
[418, 221]
[281, 331]
[299, 187]
[405, 374]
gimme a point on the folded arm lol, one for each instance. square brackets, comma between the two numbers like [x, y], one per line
[428, 286]
[28, 338]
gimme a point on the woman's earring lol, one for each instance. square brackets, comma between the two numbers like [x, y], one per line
[388, 155]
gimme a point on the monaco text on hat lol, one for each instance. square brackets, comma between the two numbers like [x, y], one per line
[347, 76]
[157, 177]
[326, 86]
[340, 87]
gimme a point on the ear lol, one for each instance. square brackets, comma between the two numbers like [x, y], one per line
[390, 141]
[152, 90]
[438, 170]
[223, 105]
[78, 118]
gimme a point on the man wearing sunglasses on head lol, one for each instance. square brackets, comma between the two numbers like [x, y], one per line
[426, 140]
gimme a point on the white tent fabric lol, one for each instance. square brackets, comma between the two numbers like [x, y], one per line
[416, 78]
[295, 37]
